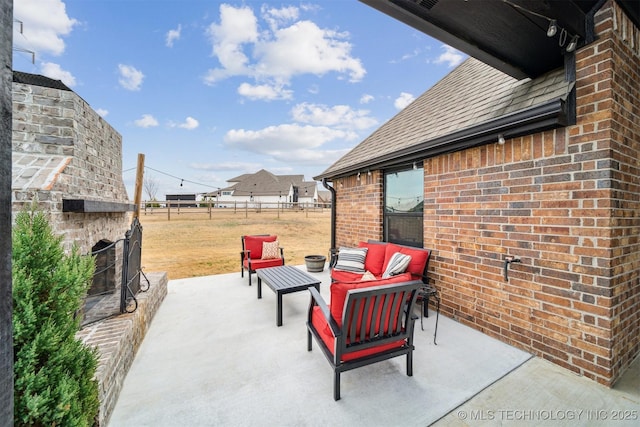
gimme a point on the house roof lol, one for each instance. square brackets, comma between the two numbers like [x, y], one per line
[510, 35]
[471, 105]
[38, 80]
[266, 183]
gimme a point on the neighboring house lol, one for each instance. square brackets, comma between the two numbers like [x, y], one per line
[538, 161]
[263, 187]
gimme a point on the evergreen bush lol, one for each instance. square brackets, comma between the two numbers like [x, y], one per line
[53, 370]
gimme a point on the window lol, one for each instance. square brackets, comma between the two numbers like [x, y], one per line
[403, 206]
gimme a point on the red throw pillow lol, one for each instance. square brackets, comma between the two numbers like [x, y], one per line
[254, 244]
[375, 257]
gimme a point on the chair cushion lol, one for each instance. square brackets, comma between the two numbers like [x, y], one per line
[339, 292]
[351, 259]
[262, 263]
[375, 257]
[397, 264]
[320, 323]
[254, 244]
[270, 250]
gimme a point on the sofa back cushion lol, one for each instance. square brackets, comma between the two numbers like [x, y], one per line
[339, 292]
[419, 258]
[254, 244]
[375, 257]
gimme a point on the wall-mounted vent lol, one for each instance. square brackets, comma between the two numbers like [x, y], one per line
[427, 3]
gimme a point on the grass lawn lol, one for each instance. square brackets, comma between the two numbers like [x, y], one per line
[190, 244]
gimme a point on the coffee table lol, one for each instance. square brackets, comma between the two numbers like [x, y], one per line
[282, 280]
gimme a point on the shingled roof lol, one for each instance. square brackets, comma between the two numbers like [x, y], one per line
[266, 183]
[39, 80]
[470, 106]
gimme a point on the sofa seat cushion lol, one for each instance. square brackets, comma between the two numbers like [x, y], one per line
[262, 263]
[254, 244]
[345, 276]
[339, 292]
[320, 323]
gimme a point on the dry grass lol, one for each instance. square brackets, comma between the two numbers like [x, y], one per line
[191, 244]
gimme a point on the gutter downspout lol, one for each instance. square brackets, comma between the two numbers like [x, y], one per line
[333, 251]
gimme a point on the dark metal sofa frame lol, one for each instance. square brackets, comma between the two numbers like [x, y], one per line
[399, 326]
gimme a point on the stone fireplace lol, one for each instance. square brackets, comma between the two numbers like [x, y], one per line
[67, 160]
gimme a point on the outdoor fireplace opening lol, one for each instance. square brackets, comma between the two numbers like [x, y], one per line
[104, 278]
[117, 277]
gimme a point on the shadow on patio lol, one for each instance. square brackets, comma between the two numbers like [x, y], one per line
[214, 356]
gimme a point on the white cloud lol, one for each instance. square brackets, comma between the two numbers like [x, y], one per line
[45, 22]
[237, 27]
[130, 78]
[173, 35]
[278, 17]
[337, 116]
[452, 57]
[366, 98]
[274, 55]
[54, 71]
[227, 166]
[264, 92]
[289, 142]
[102, 112]
[403, 100]
[146, 121]
[190, 123]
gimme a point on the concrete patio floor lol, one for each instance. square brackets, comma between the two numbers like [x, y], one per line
[214, 356]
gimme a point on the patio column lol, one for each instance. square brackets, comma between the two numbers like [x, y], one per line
[6, 332]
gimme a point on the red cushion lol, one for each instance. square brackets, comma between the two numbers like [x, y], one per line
[375, 257]
[345, 276]
[263, 263]
[254, 244]
[320, 323]
[419, 258]
[339, 292]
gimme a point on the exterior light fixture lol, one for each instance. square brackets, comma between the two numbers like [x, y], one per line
[553, 28]
[500, 139]
[358, 177]
[368, 173]
[181, 181]
[415, 167]
[572, 44]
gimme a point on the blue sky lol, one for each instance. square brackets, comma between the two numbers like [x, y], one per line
[209, 90]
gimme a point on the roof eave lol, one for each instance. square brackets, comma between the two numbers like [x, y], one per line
[543, 117]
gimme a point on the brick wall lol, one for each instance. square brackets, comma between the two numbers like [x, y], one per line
[358, 209]
[565, 201]
[52, 123]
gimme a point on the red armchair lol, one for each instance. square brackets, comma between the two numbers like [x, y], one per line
[364, 324]
[260, 251]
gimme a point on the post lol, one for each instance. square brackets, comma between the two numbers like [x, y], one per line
[139, 181]
[168, 211]
[6, 299]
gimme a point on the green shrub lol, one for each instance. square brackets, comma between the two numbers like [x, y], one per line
[54, 371]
